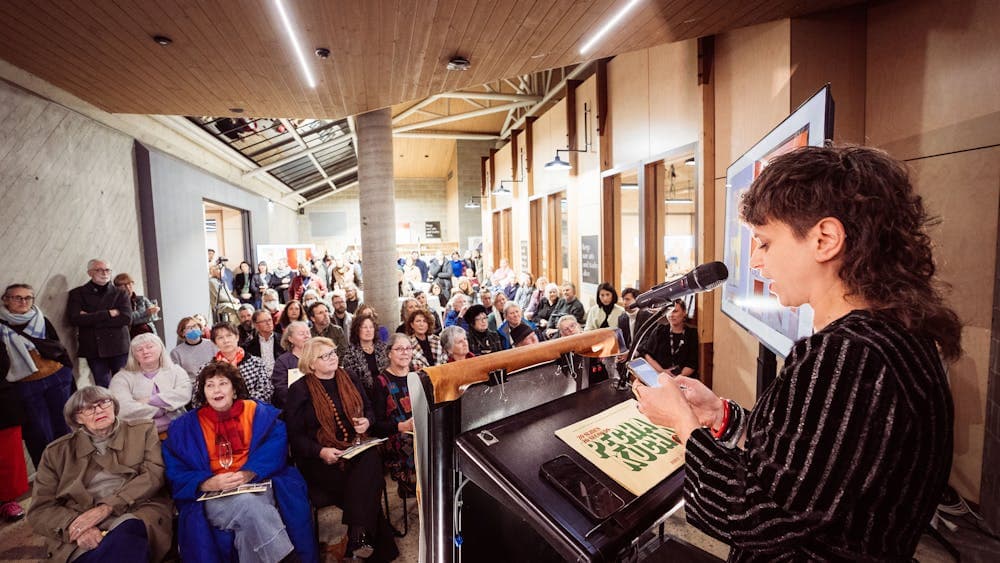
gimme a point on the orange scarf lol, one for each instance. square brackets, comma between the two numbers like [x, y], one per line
[236, 359]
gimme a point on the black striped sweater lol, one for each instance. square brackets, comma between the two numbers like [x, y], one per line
[846, 456]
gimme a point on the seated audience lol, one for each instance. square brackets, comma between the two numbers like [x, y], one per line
[606, 311]
[568, 304]
[512, 319]
[150, 386]
[366, 355]
[327, 412]
[245, 326]
[455, 342]
[524, 291]
[294, 341]
[567, 326]
[438, 294]
[545, 306]
[38, 365]
[522, 335]
[427, 349]
[230, 441]
[271, 303]
[99, 493]
[143, 310]
[482, 340]
[456, 308]
[486, 298]
[393, 415]
[495, 318]
[421, 298]
[365, 310]
[193, 349]
[537, 295]
[408, 306]
[673, 349]
[310, 298]
[323, 326]
[502, 276]
[251, 368]
[341, 317]
[291, 313]
[265, 341]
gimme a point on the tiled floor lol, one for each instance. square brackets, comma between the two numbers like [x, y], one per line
[17, 543]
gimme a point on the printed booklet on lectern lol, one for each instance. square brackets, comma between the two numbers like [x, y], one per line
[626, 446]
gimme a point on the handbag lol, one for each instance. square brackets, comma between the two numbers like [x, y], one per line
[46, 367]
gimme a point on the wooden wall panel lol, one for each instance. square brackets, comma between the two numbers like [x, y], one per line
[830, 47]
[628, 98]
[933, 76]
[751, 96]
[965, 250]
[752, 88]
[67, 194]
[674, 98]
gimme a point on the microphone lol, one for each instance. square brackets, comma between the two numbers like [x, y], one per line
[703, 278]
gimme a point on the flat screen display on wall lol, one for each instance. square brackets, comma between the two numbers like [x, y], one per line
[746, 295]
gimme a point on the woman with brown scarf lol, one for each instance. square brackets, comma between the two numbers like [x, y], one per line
[327, 411]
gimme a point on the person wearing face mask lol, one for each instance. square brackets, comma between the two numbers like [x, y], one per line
[309, 298]
[102, 314]
[193, 349]
[271, 303]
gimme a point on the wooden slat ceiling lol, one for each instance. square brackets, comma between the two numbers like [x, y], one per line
[234, 54]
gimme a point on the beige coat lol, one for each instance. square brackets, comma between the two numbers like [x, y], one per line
[60, 495]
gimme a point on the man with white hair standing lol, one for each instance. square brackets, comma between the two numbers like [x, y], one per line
[102, 314]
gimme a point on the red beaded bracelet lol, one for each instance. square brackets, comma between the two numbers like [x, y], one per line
[725, 421]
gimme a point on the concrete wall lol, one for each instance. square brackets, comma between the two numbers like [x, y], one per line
[173, 193]
[417, 200]
[468, 155]
[67, 194]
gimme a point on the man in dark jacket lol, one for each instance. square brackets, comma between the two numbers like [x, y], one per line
[568, 304]
[101, 312]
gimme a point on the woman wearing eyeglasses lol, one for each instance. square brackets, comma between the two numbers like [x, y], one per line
[393, 415]
[99, 492]
[40, 367]
[327, 412]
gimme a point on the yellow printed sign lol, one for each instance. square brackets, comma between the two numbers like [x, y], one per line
[626, 446]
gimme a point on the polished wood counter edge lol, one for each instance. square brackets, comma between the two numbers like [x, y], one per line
[450, 380]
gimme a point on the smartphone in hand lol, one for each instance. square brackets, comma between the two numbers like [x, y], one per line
[644, 372]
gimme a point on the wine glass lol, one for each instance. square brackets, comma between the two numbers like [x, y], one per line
[225, 454]
[155, 316]
[358, 413]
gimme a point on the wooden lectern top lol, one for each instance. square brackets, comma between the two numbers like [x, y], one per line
[450, 380]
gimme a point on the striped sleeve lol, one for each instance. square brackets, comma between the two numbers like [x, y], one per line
[813, 441]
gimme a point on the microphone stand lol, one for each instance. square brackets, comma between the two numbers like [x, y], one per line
[644, 329]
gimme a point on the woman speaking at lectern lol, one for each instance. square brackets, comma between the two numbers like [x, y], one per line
[845, 455]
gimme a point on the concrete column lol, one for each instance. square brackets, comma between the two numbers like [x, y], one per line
[376, 198]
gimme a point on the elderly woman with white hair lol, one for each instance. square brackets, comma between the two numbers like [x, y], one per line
[99, 492]
[455, 342]
[151, 386]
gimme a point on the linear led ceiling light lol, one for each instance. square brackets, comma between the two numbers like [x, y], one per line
[299, 53]
[607, 27]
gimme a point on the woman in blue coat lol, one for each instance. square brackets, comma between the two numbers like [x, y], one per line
[249, 444]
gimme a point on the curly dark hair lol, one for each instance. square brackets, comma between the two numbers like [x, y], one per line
[223, 369]
[431, 324]
[887, 260]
